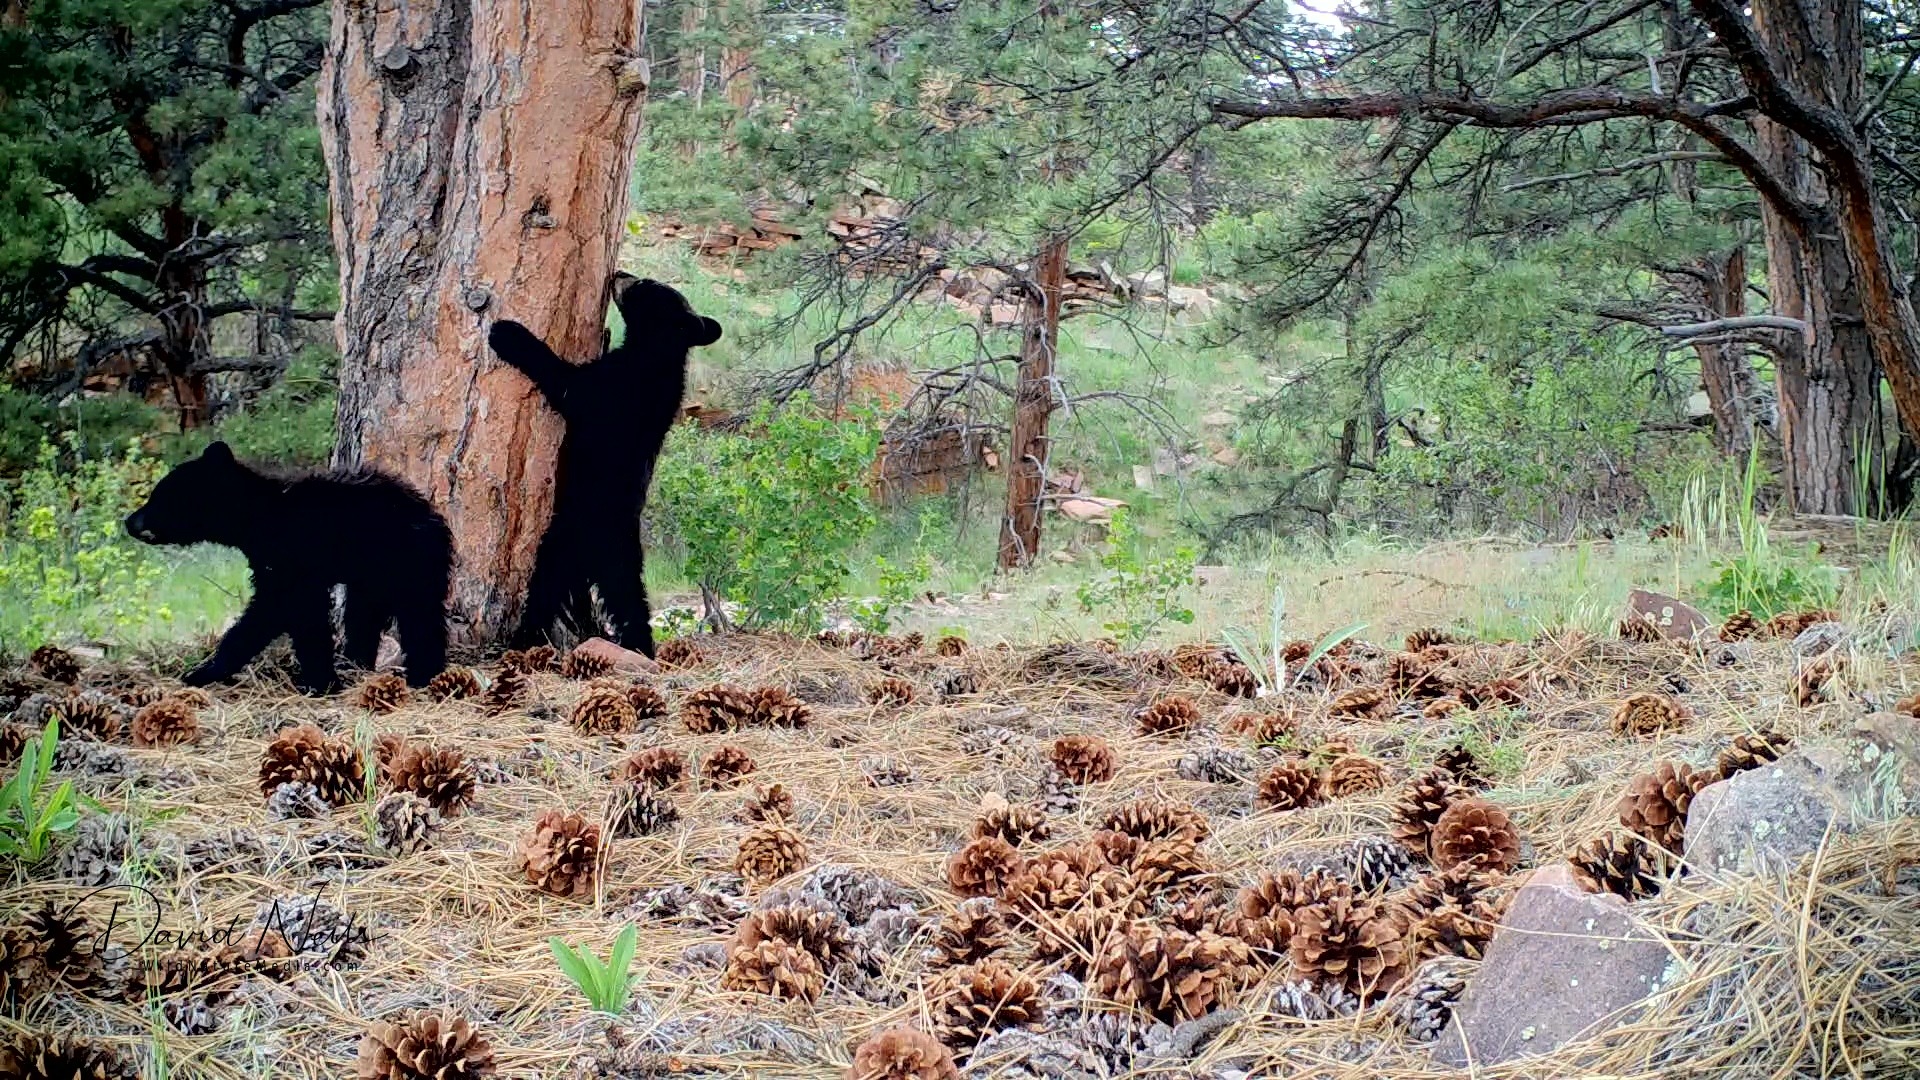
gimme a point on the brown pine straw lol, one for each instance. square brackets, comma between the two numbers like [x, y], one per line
[1809, 972]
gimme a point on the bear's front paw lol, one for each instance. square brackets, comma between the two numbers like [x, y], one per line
[205, 675]
[507, 335]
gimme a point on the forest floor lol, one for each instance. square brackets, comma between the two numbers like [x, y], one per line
[872, 855]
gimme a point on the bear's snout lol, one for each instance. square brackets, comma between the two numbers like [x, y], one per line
[137, 527]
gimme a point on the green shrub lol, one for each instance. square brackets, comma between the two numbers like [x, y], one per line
[1138, 597]
[65, 560]
[98, 425]
[290, 424]
[770, 515]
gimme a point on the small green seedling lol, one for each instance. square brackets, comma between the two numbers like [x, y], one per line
[606, 985]
[29, 815]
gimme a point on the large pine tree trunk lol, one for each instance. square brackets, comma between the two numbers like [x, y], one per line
[479, 153]
[1725, 372]
[1033, 407]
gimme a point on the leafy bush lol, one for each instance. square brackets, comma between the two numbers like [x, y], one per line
[770, 515]
[1138, 596]
[1759, 579]
[290, 424]
[898, 585]
[65, 560]
[98, 425]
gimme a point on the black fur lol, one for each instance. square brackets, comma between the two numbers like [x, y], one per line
[302, 535]
[618, 409]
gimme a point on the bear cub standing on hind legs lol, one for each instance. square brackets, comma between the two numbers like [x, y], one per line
[617, 409]
[303, 534]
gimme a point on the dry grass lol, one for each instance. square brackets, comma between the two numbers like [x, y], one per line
[1809, 974]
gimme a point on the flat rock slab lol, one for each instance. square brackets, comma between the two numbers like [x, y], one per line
[622, 659]
[1675, 619]
[1772, 816]
[1565, 964]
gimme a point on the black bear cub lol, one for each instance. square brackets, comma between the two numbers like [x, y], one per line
[302, 535]
[618, 409]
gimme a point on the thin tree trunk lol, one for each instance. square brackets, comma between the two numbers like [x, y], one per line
[692, 62]
[479, 154]
[1033, 406]
[1725, 372]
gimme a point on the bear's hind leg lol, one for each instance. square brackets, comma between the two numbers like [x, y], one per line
[623, 591]
[309, 621]
[548, 594]
[423, 638]
[364, 614]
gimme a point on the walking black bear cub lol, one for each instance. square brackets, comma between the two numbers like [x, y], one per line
[618, 409]
[302, 535]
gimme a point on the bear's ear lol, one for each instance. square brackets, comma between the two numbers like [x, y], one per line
[703, 332]
[219, 453]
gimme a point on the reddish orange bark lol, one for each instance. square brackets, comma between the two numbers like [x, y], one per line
[479, 153]
[1033, 407]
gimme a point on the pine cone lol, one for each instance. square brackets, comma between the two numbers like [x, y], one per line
[1449, 931]
[296, 799]
[90, 715]
[1739, 626]
[1192, 659]
[1475, 830]
[384, 693]
[726, 767]
[1467, 886]
[1371, 864]
[1216, 765]
[584, 664]
[1655, 805]
[425, 1046]
[1171, 867]
[55, 664]
[13, 741]
[1426, 1002]
[1791, 624]
[770, 853]
[1414, 676]
[33, 1056]
[818, 931]
[1155, 818]
[403, 823]
[1906, 706]
[1171, 715]
[1810, 684]
[509, 689]
[441, 776]
[1354, 774]
[774, 706]
[771, 803]
[884, 772]
[1752, 751]
[454, 684]
[890, 691]
[1072, 939]
[1016, 824]
[1083, 759]
[660, 767]
[972, 933]
[561, 853]
[167, 722]
[963, 682]
[1419, 807]
[903, 1053]
[967, 1003]
[1622, 864]
[1357, 944]
[1442, 707]
[647, 701]
[1233, 679]
[1360, 703]
[1427, 637]
[717, 708]
[678, 653]
[1458, 762]
[1639, 628]
[1169, 974]
[604, 710]
[1290, 785]
[1053, 881]
[1649, 715]
[950, 645]
[775, 968]
[1494, 693]
[1263, 913]
[983, 867]
[1276, 728]
[639, 810]
[307, 755]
